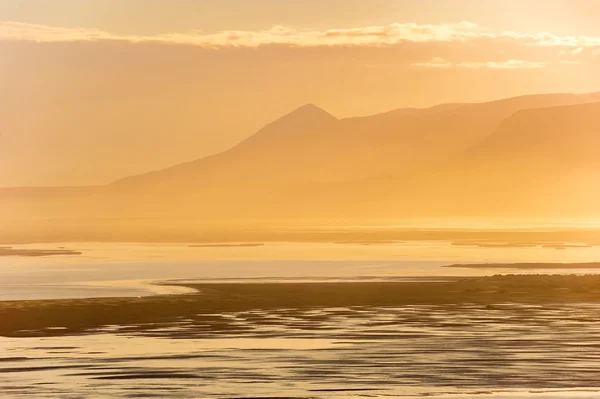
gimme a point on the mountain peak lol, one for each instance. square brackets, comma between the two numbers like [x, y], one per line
[310, 112]
[309, 107]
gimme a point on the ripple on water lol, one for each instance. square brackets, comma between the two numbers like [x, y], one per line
[450, 351]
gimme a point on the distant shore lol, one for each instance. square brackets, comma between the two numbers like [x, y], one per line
[8, 251]
[78, 316]
[228, 245]
[157, 231]
[531, 265]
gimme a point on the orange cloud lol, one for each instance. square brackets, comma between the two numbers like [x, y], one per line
[373, 35]
[362, 36]
[509, 64]
[43, 33]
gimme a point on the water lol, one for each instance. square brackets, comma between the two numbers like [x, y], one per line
[118, 269]
[450, 351]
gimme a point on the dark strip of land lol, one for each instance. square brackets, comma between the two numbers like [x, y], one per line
[7, 251]
[243, 245]
[533, 265]
[77, 316]
[197, 232]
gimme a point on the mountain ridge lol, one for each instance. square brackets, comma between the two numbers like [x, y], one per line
[404, 162]
[414, 118]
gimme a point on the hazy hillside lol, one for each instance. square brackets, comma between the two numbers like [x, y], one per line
[558, 135]
[539, 161]
[309, 145]
[454, 159]
[274, 152]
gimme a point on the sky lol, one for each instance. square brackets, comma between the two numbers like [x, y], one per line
[96, 90]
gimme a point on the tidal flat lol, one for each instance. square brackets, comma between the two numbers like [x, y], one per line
[499, 337]
[9, 251]
[529, 265]
[37, 318]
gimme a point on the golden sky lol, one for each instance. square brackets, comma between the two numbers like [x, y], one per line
[101, 89]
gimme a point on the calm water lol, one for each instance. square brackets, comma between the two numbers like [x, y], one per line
[450, 352]
[441, 351]
[128, 269]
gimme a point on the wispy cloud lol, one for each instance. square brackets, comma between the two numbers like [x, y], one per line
[441, 63]
[362, 36]
[462, 45]
[509, 64]
[569, 62]
[42, 33]
[435, 62]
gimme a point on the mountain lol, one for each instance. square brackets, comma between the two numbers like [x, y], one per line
[311, 146]
[538, 162]
[560, 136]
[448, 159]
[283, 144]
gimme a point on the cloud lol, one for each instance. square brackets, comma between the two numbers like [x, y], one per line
[550, 40]
[363, 36]
[435, 62]
[509, 64]
[569, 62]
[465, 44]
[19, 31]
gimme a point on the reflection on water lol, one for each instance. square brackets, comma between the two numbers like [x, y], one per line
[449, 351]
[458, 352]
[118, 269]
[106, 289]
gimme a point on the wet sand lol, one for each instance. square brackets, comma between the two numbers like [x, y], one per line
[8, 251]
[77, 316]
[242, 245]
[517, 336]
[532, 265]
[412, 351]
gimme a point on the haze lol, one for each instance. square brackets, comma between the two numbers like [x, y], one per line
[96, 91]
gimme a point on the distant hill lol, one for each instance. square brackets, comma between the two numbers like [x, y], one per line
[541, 161]
[452, 159]
[311, 145]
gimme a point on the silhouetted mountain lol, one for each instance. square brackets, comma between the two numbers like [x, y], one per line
[296, 135]
[538, 161]
[310, 145]
[558, 135]
[447, 159]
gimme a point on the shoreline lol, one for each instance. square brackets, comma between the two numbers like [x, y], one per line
[527, 266]
[153, 233]
[39, 318]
